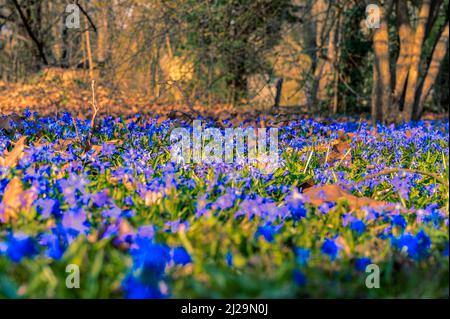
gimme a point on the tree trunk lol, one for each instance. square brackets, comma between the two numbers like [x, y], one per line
[376, 94]
[404, 57]
[325, 30]
[30, 32]
[439, 52]
[64, 56]
[336, 63]
[435, 7]
[383, 72]
[56, 34]
[416, 52]
[102, 33]
[279, 88]
[239, 81]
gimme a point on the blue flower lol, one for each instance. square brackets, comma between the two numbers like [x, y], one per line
[151, 257]
[423, 243]
[108, 149]
[100, 199]
[299, 278]
[72, 186]
[3, 248]
[401, 186]
[302, 255]
[113, 212]
[399, 220]
[324, 208]
[358, 226]
[55, 248]
[362, 263]
[181, 256]
[224, 202]
[128, 201]
[268, 232]
[417, 246]
[347, 218]
[229, 259]
[47, 207]
[406, 241]
[75, 220]
[295, 205]
[330, 248]
[20, 246]
[174, 225]
[135, 289]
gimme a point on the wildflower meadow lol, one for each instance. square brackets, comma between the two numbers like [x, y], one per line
[351, 210]
[224, 158]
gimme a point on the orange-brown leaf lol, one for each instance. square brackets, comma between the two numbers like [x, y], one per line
[15, 199]
[10, 159]
[335, 193]
[340, 152]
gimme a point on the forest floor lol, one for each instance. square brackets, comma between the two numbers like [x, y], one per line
[55, 91]
[110, 199]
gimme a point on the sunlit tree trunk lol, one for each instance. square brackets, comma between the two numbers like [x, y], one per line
[102, 32]
[382, 82]
[376, 114]
[416, 51]
[336, 57]
[56, 46]
[437, 57]
[325, 29]
[406, 37]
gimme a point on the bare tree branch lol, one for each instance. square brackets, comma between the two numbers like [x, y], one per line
[87, 16]
[30, 31]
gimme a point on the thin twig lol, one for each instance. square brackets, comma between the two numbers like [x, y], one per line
[76, 130]
[94, 115]
[86, 15]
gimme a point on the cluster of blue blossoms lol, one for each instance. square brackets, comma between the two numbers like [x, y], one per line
[127, 192]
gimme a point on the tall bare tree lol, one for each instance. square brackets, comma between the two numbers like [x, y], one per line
[400, 94]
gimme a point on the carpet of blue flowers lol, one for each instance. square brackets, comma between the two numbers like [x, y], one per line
[139, 226]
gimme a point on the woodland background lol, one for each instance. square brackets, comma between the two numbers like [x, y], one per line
[315, 57]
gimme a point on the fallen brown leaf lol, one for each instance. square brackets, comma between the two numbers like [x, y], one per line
[340, 152]
[161, 119]
[335, 193]
[124, 229]
[15, 199]
[10, 159]
[62, 145]
[343, 244]
[153, 198]
[5, 122]
[306, 185]
[408, 134]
